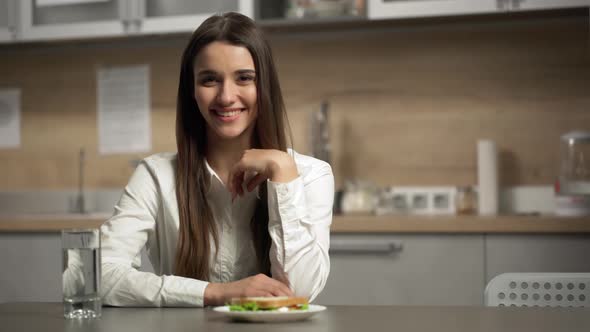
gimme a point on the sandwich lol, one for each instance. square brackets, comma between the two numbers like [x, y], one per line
[274, 303]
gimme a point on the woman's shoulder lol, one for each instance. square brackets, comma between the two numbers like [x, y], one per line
[310, 168]
[161, 163]
[162, 158]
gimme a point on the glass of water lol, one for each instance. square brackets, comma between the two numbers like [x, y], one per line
[81, 273]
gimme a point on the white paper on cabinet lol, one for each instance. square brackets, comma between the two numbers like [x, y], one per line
[10, 118]
[124, 124]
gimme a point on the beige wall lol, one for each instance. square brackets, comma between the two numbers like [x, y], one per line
[408, 100]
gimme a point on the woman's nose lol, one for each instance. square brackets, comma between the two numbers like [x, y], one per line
[227, 94]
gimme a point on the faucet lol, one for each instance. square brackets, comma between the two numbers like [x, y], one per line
[320, 138]
[80, 200]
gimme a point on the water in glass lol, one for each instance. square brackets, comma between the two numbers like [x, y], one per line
[81, 273]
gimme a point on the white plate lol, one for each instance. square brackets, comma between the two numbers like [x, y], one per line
[271, 316]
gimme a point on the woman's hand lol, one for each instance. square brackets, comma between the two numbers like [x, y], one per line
[275, 165]
[258, 285]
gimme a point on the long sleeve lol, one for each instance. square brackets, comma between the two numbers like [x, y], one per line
[300, 214]
[124, 235]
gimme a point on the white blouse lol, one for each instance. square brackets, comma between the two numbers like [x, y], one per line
[300, 214]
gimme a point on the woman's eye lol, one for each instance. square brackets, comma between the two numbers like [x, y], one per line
[245, 78]
[208, 80]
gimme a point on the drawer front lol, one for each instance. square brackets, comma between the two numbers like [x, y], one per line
[405, 269]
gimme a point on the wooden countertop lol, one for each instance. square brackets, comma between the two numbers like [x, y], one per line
[346, 224]
[50, 222]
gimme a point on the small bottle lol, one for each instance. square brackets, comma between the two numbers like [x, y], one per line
[466, 201]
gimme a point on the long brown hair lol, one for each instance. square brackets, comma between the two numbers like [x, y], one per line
[197, 225]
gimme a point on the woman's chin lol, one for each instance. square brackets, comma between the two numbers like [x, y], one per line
[230, 134]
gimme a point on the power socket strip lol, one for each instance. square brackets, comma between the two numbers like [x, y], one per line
[417, 200]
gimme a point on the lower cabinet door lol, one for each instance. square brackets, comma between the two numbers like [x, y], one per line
[31, 267]
[405, 269]
[536, 253]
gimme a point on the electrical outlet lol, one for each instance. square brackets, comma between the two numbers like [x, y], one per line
[423, 200]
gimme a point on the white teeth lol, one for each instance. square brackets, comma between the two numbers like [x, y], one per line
[228, 114]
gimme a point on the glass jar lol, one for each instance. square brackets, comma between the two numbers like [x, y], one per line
[574, 175]
[359, 197]
[466, 201]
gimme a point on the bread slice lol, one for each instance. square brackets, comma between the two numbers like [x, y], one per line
[270, 302]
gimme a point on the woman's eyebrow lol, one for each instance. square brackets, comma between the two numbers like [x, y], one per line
[206, 72]
[245, 71]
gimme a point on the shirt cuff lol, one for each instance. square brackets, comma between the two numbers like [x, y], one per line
[183, 292]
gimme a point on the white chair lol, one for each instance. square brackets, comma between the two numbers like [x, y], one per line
[539, 290]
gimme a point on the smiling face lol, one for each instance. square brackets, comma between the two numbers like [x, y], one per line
[225, 90]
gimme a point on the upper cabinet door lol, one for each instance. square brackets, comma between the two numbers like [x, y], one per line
[64, 19]
[548, 4]
[8, 15]
[162, 16]
[383, 9]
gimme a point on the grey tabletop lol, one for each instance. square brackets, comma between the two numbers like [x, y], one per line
[48, 317]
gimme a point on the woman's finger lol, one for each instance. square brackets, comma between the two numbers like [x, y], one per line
[278, 291]
[255, 181]
[230, 177]
[239, 183]
[235, 179]
[279, 287]
[285, 290]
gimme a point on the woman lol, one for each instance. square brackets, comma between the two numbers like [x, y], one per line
[234, 212]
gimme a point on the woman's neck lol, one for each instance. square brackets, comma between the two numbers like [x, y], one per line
[222, 154]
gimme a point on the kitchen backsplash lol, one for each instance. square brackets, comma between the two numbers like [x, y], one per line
[408, 102]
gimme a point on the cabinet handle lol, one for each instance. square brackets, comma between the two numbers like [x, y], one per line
[504, 4]
[366, 248]
[139, 12]
[13, 16]
[124, 9]
[516, 4]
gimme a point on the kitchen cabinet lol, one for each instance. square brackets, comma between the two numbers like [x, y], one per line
[366, 269]
[388, 9]
[163, 16]
[110, 18]
[441, 269]
[384, 9]
[420, 269]
[547, 4]
[32, 266]
[26, 20]
[536, 253]
[78, 20]
[8, 15]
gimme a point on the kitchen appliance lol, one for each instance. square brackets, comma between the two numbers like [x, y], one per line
[572, 189]
[359, 197]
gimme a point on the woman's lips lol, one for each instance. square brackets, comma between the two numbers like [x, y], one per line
[227, 115]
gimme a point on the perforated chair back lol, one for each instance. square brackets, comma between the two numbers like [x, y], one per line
[539, 290]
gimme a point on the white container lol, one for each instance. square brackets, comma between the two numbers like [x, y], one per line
[487, 177]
